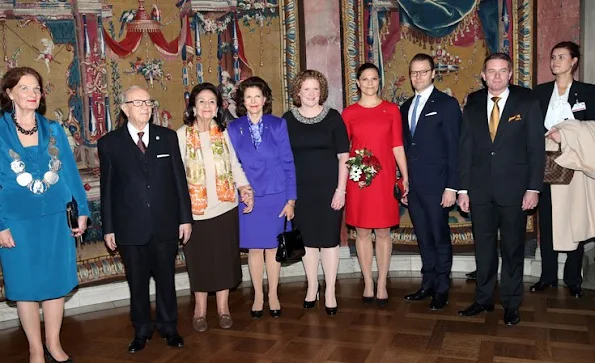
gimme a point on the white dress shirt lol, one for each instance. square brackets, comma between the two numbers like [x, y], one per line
[503, 98]
[425, 95]
[134, 133]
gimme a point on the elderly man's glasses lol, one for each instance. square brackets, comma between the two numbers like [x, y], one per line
[138, 103]
[419, 73]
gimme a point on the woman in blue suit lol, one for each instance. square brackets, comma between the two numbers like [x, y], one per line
[262, 145]
[38, 177]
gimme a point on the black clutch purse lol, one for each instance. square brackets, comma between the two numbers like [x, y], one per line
[72, 216]
[291, 245]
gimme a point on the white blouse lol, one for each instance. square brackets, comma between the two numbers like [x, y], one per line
[558, 109]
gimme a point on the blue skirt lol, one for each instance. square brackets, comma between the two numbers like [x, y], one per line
[42, 266]
[259, 228]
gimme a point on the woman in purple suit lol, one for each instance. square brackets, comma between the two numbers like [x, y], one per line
[262, 145]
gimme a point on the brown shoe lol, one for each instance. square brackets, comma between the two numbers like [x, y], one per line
[199, 324]
[225, 321]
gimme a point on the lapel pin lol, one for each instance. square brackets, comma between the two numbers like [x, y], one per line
[241, 131]
[156, 137]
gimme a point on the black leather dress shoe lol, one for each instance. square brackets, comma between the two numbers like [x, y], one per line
[275, 313]
[256, 314]
[541, 286]
[420, 294]
[575, 291]
[174, 340]
[475, 309]
[511, 317]
[138, 344]
[439, 301]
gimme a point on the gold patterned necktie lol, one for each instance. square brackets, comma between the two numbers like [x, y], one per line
[494, 118]
[140, 143]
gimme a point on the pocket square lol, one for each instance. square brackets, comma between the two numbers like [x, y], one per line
[431, 113]
[514, 118]
[162, 156]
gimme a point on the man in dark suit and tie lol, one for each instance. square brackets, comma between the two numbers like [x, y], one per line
[145, 212]
[431, 128]
[502, 157]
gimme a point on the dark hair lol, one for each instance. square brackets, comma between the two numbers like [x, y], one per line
[574, 50]
[190, 117]
[420, 57]
[249, 83]
[299, 80]
[365, 67]
[11, 79]
[499, 56]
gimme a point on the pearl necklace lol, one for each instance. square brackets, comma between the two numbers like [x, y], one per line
[25, 179]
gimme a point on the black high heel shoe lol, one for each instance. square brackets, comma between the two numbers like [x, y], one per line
[331, 311]
[50, 358]
[370, 299]
[275, 313]
[256, 314]
[311, 304]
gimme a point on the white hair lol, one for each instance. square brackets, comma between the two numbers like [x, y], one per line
[123, 98]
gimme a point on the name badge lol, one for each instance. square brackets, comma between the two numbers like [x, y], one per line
[579, 106]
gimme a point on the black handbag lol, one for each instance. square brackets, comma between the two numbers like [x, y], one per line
[72, 215]
[291, 245]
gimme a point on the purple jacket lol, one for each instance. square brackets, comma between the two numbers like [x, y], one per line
[270, 169]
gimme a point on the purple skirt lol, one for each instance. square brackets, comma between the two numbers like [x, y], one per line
[259, 228]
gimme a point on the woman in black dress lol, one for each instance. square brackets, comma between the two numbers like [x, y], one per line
[320, 148]
[564, 98]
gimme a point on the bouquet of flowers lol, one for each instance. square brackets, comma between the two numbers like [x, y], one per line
[363, 167]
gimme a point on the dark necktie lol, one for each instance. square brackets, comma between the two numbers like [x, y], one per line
[140, 143]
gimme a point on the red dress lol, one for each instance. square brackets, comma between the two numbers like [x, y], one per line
[379, 130]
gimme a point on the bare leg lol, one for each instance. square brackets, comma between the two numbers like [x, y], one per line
[384, 248]
[273, 271]
[29, 315]
[363, 245]
[330, 265]
[311, 260]
[256, 267]
[200, 304]
[223, 302]
[53, 312]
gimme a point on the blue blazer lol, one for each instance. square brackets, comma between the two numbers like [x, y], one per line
[270, 169]
[432, 152]
[17, 202]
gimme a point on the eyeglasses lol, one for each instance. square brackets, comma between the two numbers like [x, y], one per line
[419, 73]
[138, 103]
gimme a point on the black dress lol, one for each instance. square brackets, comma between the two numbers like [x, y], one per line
[315, 143]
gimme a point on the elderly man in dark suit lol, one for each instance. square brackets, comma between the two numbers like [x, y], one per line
[502, 157]
[145, 211]
[431, 128]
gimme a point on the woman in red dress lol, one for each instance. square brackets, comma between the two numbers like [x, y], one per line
[374, 124]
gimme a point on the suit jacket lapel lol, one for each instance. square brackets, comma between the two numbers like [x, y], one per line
[130, 148]
[405, 119]
[481, 107]
[428, 107]
[509, 108]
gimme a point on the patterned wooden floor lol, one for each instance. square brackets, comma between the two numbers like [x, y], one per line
[554, 328]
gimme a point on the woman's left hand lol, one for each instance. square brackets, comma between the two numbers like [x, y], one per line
[82, 222]
[288, 211]
[338, 200]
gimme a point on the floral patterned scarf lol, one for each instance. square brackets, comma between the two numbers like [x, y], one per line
[195, 168]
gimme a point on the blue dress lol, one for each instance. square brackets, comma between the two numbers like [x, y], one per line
[42, 265]
[270, 170]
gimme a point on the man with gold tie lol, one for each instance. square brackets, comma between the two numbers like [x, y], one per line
[502, 156]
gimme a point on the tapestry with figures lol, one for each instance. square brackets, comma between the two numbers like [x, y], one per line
[167, 46]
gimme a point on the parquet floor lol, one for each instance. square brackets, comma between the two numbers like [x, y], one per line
[554, 328]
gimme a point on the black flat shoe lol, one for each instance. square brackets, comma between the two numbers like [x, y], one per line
[256, 314]
[475, 309]
[420, 294]
[381, 302]
[331, 311]
[575, 291]
[511, 317]
[275, 313]
[439, 301]
[174, 340]
[50, 358]
[541, 286]
[137, 344]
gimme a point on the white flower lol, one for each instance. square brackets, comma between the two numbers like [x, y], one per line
[355, 174]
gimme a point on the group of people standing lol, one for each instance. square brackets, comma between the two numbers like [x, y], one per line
[217, 185]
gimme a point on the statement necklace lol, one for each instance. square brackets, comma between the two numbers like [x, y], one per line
[22, 130]
[25, 179]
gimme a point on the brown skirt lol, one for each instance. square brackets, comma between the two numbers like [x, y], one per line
[213, 253]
